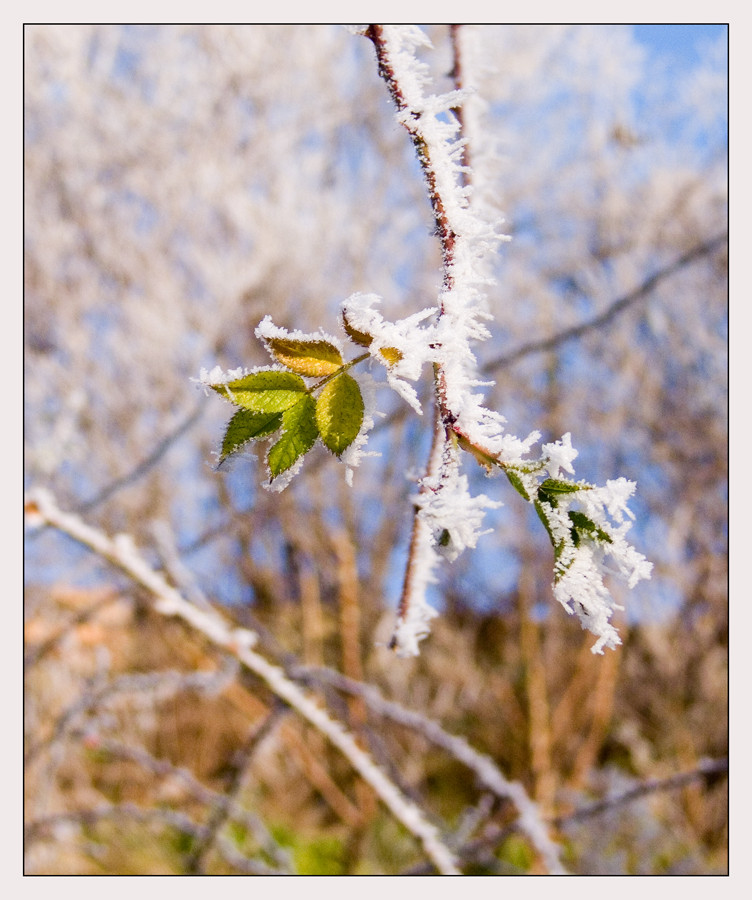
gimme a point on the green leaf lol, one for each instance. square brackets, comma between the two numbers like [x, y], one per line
[312, 358]
[557, 486]
[339, 413]
[552, 487]
[544, 518]
[247, 426]
[582, 523]
[264, 392]
[299, 433]
[516, 482]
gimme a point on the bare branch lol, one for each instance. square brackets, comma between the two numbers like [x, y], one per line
[457, 74]
[228, 807]
[38, 828]
[163, 684]
[147, 463]
[493, 835]
[611, 312]
[224, 806]
[706, 770]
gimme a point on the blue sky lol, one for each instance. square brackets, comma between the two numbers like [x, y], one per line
[682, 42]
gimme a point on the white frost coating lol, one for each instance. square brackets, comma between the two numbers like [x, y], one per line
[615, 496]
[581, 590]
[463, 306]
[278, 483]
[212, 377]
[580, 570]
[122, 551]
[412, 75]
[560, 455]
[453, 517]
[217, 375]
[266, 330]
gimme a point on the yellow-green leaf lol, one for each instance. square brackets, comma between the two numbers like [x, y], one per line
[299, 433]
[247, 426]
[264, 392]
[339, 413]
[391, 354]
[312, 358]
[360, 337]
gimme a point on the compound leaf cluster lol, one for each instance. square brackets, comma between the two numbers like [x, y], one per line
[279, 402]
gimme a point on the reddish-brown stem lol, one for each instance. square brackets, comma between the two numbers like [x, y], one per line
[447, 236]
[434, 461]
[444, 426]
[407, 585]
[457, 76]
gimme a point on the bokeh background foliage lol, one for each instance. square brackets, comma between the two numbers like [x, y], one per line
[182, 182]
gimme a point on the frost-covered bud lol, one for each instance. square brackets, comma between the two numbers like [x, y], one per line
[402, 347]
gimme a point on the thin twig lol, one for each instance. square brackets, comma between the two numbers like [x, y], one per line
[228, 807]
[457, 74]
[611, 311]
[417, 569]
[476, 850]
[34, 654]
[37, 828]
[421, 555]
[163, 684]
[707, 769]
[40, 828]
[139, 470]
[447, 236]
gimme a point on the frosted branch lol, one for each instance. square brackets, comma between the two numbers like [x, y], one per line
[41, 509]
[530, 821]
[460, 311]
[309, 396]
[447, 518]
